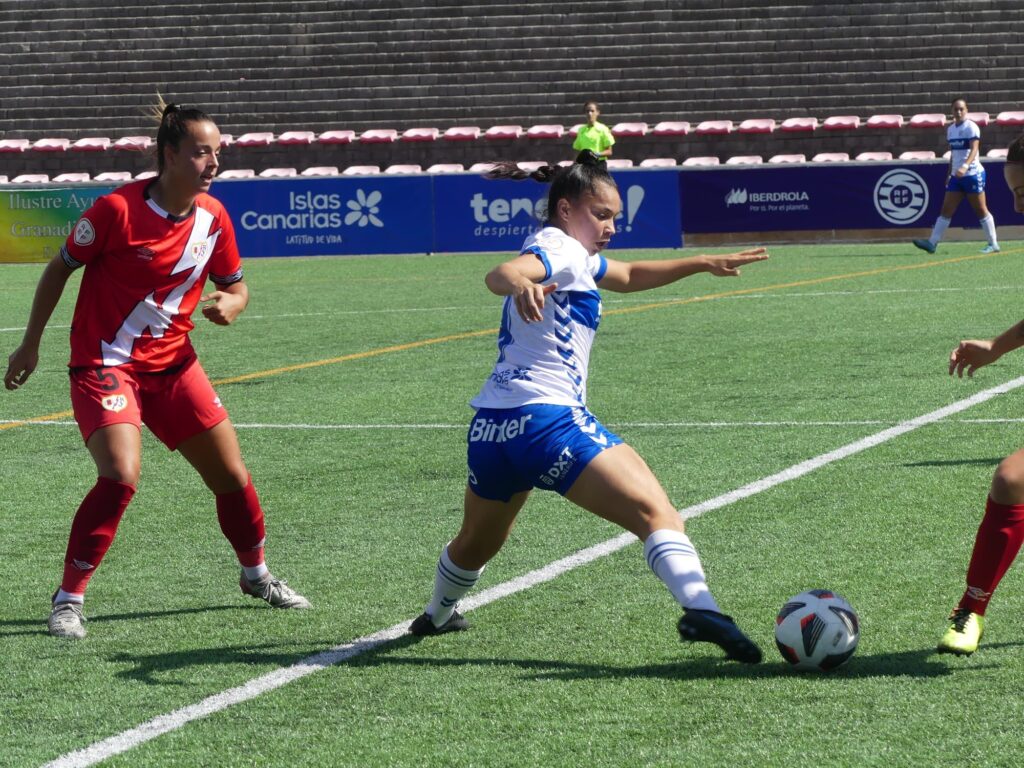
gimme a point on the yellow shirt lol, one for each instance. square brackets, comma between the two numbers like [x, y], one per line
[597, 138]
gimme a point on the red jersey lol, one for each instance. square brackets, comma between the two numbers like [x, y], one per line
[144, 273]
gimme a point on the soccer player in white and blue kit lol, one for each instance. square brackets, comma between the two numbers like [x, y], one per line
[965, 177]
[532, 428]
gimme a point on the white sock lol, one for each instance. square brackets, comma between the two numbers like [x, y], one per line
[450, 584]
[939, 230]
[989, 225]
[68, 597]
[255, 572]
[673, 559]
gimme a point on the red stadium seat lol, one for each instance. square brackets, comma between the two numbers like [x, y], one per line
[917, 154]
[831, 157]
[30, 178]
[619, 162]
[145, 175]
[480, 167]
[714, 127]
[778, 159]
[336, 137]
[51, 145]
[792, 124]
[659, 162]
[671, 128]
[462, 133]
[321, 170]
[446, 168]
[884, 121]
[378, 136]
[1010, 118]
[981, 119]
[575, 130]
[361, 170]
[404, 168]
[91, 144]
[258, 139]
[531, 165]
[237, 173]
[757, 125]
[295, 137]
[690, 161]
[745, 160]
[135, 143]
[496, 132]
[629, 129]
[15, 145]
[929, 120]
[997, 154]
[226, 140]
[873, 156]
[841, 123]
[420, 134]
[277, 173]
[62, 177]
[113, 176]
[545, 132]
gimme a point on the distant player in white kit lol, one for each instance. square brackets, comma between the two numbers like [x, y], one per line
[532, 428]
[965, 177]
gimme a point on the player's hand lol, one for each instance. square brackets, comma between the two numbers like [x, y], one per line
[970, 356]
[729, 264]
[961, 172]
[529, 298]
[225, 307]
[20, 365]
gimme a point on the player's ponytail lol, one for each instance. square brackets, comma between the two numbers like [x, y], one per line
[172, 125]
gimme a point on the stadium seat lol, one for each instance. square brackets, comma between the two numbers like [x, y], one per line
[420, 134]
[51, 145]
[565, 163]
[14, 145]
[480, 167]
[462, 133]
[574, 131]
[91, 144]
[619, 162]
[831, 157]
[997, 154]
[691, 161]
[145, 175]
[336, 137]
[237, 173]
[62, 177]
[1010, 118]
[361, 170]
[320, 170]
[134, 143]
[258, 139]
[296, 137]
[277, 173]
[226, 140]
[884, 121]
[30, 178]
[779, 159]
[545, 132]
[929, 120]
[659, 162]
[3, 179]
[113, 176]
[446, 168]
[496, 132]
[946, 155]
[378, 136]
[757, 125]
[793, 124]
[671, 128]
[917, 154]
[873, 156]
[841, 123]
[531, 165]
[979, 118]
[745, 160]
[629, 129]
[714, 127]
[404, 168]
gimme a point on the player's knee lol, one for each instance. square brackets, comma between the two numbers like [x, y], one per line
[1008, 481]
[123, 470]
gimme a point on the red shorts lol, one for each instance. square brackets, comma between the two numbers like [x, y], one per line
[175, 404]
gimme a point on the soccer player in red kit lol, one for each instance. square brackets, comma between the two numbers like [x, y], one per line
[148, 248]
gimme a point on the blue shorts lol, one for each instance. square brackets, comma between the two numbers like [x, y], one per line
[511, 450]
[971, 185]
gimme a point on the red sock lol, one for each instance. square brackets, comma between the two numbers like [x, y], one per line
[92, 531]
[241, 520]
[999, 539]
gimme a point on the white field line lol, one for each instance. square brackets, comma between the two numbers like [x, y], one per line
[140, 734]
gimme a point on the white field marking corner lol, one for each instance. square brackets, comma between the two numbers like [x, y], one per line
[172, 721]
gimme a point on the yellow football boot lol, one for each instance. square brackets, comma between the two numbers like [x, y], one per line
[964, 633]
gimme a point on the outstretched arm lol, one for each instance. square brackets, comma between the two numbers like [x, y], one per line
[25, 358]
[628, 276]
[972, 354]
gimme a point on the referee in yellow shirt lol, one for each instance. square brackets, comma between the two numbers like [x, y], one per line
[595, 136]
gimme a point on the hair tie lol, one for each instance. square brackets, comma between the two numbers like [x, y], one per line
[588, 157]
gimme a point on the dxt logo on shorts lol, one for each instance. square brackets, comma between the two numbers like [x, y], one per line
[561, 467]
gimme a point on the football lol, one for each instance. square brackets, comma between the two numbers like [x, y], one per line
[817, 630]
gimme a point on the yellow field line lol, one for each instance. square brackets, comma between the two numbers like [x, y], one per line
[624, 310]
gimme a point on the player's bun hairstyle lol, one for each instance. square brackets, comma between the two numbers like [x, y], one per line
[571, 182]
[172, 121]
[1015, 152]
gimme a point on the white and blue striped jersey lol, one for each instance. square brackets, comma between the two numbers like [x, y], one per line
[546, 361]
[960, 138]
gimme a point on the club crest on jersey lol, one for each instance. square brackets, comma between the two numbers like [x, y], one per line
[115, 403]
[199, 251]
[84, 232]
